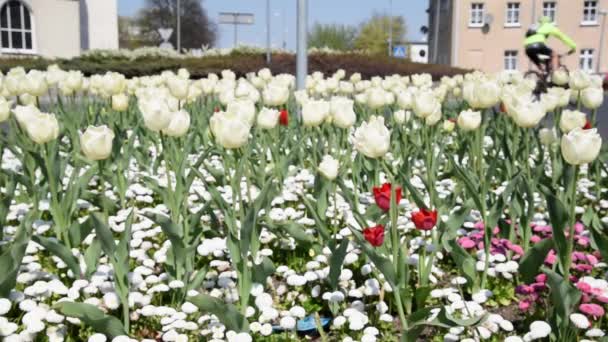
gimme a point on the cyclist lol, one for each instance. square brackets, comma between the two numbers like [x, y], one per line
[536, 37]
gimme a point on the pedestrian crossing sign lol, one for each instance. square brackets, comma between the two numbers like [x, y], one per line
[399, 51]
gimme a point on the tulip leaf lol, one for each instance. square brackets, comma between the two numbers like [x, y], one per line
[298, 232]
[11, 257]
[198, 278]
[533, 260]
[262, 271]
[60, 251]
[226, 313]
[416, 196]
[464, 261]
[79, 231]
[559, 220]
[565, 296]
[336, 260]
[91, 257]
[104, 234]
[92, 316]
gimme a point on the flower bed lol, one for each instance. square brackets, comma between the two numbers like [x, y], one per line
[175, 208]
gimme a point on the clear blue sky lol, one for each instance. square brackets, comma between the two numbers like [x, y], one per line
[284, 16]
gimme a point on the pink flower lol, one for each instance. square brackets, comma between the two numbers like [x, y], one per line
[584, 287]
[551, 258]
[578, 227]
[591, 259]
[583, 267]
[583, 241]
[541, 278]
[535, 239]
[466, 243]
[516, 248]
[592, 310]
[524, 305]
[602, 299]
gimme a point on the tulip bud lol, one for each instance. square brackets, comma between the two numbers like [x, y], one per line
[156, 113]
[592, 97]
[178, 87]
[342, 112]
[120, 102]
[579, 80]
[527, 114]
[329, 167]
[448, 125]
[572, 119]
[547, 136]
[179, 124]
[5, 109]
[469, 120]
[96, 142]
[401, 116]
[581, 146]
[42, 127]
[268, 118]
[425, 104]
[229, 129]
[314, 112]
[560, 77]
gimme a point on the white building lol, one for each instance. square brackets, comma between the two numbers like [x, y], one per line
[57, 28]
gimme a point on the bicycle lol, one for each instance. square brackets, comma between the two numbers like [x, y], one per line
[543, 77]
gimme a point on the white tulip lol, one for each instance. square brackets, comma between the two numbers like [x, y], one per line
[42, 128]
[96, 142]
[275, 94]
[120, 102]
[547, 136]
[26, 99]
[268, 118]
[178, 87]
[425, 104]
[342, 112]
[5, 109]
[244, 108]
[579, 80]
[401, 116]
[314, 112]
[448, 125]
[179, 124]
[434, 118]
[592, 97]
[329, 167]
[405, 99]
[25, 114]
[572, 119]
[376, 97]
[481, 94]
[562, 95]
[550, 101]
[35, 83]
[560, 77]
[156, 113]
[229, 129]
[372, 138]
[527, 114]
[581, 146]
[469, 120]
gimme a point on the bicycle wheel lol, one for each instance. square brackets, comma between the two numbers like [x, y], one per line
[541, 81]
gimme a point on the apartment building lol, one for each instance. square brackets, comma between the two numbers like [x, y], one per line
[488, 34]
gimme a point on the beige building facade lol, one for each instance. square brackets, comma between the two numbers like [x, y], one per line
[488, 34]
[57, 28]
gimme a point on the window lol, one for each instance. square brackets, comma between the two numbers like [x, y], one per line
[550, 10]
[586, 60]
[476, 17]
[590, 12]
[15, 28]
[512, 14]
[511, 60]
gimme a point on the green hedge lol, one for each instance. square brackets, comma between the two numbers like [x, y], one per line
[241, 64]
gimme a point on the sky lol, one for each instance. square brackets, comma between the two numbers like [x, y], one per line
[283, 13]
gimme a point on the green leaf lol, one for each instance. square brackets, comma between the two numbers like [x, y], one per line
[248, 228]
[262, 271]
[198, 278]
[533, 259]
[93, 317]
[298, 232]
[10, 259]
[464, 261]
[104, 234]
[226, 313]
[336, 260]
[565, 296]
[91, 257]
[559, 220]
[79, 231]
[60, 251]
[414, 193]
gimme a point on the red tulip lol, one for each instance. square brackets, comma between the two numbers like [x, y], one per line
[587, 125]
[382, 195]
[284, 117]
[425, 219]
[374, 235]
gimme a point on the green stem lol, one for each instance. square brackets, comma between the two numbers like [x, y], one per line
[571, 223]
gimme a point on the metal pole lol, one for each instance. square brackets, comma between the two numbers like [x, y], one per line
[302, 45]
[390, 28]
[179, 26]
[436, 42]
[268, 54]
[602, 33]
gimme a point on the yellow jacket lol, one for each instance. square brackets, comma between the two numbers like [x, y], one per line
[549, 29]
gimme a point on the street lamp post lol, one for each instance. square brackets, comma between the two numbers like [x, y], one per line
[603, 13]
[302, 45]
[390, 28]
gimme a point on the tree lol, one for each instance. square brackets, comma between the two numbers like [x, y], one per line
[374, 33]
[196, 28]
[334, 36]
